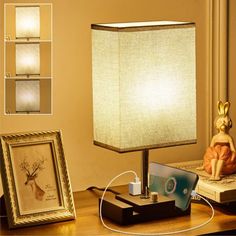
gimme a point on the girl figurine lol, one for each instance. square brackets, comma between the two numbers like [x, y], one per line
[220, 157]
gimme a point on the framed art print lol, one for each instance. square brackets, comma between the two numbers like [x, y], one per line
[31, 196]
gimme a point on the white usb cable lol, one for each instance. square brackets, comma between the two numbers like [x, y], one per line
[149, 234]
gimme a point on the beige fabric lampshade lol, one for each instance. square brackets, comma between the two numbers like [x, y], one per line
[27, 59]
[27, 95]
[27, 22]
[144, 85]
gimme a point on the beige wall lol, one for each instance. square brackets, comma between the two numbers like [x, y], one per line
[72, 87]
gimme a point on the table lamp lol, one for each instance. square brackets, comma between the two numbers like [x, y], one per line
[27, 22]
[144, 86]
[27, 59]
[27, 96]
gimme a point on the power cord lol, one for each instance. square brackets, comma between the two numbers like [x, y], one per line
[194, 194]
[102, 189]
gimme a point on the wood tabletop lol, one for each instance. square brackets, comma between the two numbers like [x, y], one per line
[88, 223]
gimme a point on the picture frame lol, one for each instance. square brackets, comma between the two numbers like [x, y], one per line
[35, 179]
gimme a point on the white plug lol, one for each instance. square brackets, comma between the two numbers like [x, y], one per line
[135, 187]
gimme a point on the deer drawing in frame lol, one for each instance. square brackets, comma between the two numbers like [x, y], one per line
[31, 175]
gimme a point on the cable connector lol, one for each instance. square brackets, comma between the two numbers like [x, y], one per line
[193, 193]
[135, 187]
[195, 196]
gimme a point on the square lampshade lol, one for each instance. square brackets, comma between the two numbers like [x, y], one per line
[144, 85]
[27, 22]
[27, 59]
[27, 96]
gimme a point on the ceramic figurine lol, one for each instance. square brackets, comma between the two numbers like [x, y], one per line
[220, 157]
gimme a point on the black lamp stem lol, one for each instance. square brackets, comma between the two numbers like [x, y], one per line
[145, 162]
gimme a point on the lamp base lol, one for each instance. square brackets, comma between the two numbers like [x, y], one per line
[127, 209]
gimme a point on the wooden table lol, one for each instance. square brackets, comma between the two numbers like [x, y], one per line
[88, 223]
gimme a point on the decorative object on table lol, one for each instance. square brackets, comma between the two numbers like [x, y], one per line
[28, 56]
[35, 179]
[220, 157]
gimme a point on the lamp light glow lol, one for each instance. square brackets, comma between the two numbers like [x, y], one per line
[144, 85]
[27, 96]
[28, 59]
[27, 22]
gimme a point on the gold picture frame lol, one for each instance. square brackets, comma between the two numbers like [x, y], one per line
[35, 179]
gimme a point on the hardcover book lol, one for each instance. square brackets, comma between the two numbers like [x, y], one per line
[222, 191]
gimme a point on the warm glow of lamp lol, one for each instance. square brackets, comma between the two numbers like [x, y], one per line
[144, 85]
[27, 96]
[27, 22]
[27, 59]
